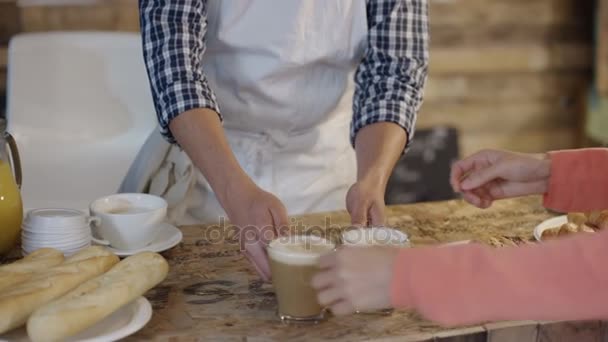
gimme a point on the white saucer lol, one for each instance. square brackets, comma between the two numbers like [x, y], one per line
[168, 237]
[122, 323]
[548, 224]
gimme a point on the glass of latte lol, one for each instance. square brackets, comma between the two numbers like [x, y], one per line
[375, 236]
[293, 263]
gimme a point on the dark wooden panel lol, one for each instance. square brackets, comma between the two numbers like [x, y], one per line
[512, 331]
[601, 66]
[474, 334]
[3, 57]
[2, 80]
[9, 20]
[570, 331]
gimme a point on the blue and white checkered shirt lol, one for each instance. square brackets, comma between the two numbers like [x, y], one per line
[389, 79]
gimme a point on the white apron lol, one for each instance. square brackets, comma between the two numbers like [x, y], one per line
[283, 75]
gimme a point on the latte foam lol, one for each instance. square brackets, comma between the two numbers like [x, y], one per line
[299, 249]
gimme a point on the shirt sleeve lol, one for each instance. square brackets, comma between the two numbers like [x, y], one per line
[391, 77]
[173, 35]
[563, 279]
[579, 180]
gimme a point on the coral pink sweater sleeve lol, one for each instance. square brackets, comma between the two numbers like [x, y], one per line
[559, 280]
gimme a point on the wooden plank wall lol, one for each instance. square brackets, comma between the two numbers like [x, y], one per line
[507, 73]
[601, 56]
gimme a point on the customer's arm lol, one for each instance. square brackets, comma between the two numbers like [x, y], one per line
[558, 280]
[579, 180]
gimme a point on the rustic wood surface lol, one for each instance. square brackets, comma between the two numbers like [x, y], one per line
[212, 293]
[510, 58]
[508, 88]
[9, 21]
[601, 57]
[508, 65]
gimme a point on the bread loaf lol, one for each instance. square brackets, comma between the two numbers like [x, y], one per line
[87, 253]
[577, 218]
[550, 233]
[585, 228]
[21, 270]
[18, 303]
[97, 298]
[602, 220]
[568, 228]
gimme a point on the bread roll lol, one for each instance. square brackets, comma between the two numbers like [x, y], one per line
[22, 270]
[98, 298]
[585, 228]
[550, 233]
[568, 228]
[577, 218]
[593, 218]
[602, 220]
[18, 303]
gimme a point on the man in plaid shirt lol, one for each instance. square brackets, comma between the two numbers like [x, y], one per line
[260, 95]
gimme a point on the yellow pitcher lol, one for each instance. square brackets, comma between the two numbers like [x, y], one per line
[11, 208]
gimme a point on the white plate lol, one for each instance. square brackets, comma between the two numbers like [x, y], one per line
[547, 224]
[168, 237]
[124, 322]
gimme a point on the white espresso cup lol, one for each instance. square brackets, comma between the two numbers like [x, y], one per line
[127, 221]
[374, 236]
[67, 230]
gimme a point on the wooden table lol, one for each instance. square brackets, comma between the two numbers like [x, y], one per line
[212, 292]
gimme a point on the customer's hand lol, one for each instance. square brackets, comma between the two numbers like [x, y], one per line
[260, 216]
[356, 279]
[490, 175]
[365, 203]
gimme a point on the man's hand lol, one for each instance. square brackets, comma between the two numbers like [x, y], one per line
[356, 279]
[259, 215]
[491, 174]
[365, 203]
[378, 147]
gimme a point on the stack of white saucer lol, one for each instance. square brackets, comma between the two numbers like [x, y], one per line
[66, 230]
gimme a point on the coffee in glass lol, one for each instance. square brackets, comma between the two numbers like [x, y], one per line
[293, 263]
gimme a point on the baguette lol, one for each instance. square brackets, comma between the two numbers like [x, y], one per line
[18, 303]
[87, 253]
[22, 270]
[97, 298]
